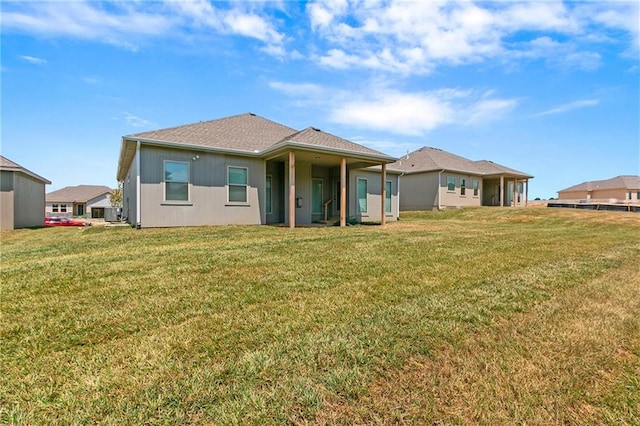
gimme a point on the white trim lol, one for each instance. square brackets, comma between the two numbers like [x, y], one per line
[164, 182]
[366, 195]
[246, 186]
[389, 194]
[138, 188]
[268, 208]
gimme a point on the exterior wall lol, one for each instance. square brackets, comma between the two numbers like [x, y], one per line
[325, 174]
[207, 204]
[49, 209]
[275, 169]
[129, 194]
[598, 194]
[28, 201]
[419, 191]
[303, 193]
[422, 191]
[6, 200]
[491, 192]
[455, 198]
[374, 194]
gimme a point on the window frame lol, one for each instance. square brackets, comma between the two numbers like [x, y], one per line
[451, 178]
[268, 200]
[164, 181]
[388, 185]
[476, 187]
[321, 195]
[463, 186]
[358, 198]
[55, 207]
[245, 185]
[63, 208]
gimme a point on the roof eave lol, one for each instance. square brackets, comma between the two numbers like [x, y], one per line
[327, 150]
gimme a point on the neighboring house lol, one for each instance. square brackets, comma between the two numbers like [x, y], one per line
[617, 189]
[435, 179]
[81, 200]
[246, 169]
[21, 196]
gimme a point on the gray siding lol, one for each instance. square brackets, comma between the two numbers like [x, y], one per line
[28, 201]
[208, 202]
[275, 169]
[303, 193]
[374, 194]
[6, 200]
[419, 191]
[129, 195]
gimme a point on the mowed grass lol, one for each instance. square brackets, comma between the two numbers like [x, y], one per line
[475, 316]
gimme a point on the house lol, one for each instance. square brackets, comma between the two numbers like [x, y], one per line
[81, 200]
[21, 196]
[435, 179]
[246, 169]
[618, 189]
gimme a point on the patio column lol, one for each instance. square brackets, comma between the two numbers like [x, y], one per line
[501, 191]
[343, 191]
[292, 189]
[383, 211]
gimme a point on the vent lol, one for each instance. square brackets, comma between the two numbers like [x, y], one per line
[252, 114]
[316, 129]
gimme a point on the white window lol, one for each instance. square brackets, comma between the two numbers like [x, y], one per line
[63, 208]
[176, 181]
[237, 179]
[387, 201]
[362, 195]
[451, 183]
[476, 187]
[55, 208]
[269, 195]
[463, 186]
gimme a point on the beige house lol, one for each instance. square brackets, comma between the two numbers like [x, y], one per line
[246, 169]
[614, 190]
[21, 196]
[81, 200]
[435, 179]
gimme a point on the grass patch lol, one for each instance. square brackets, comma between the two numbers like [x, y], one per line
[462, 316]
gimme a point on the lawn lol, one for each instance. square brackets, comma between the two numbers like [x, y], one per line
[475, 316]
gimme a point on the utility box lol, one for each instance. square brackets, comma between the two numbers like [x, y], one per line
[111, 214]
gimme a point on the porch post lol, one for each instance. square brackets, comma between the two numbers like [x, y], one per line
[502, 192]
[292, 189]
[383, 211]
[343, 191]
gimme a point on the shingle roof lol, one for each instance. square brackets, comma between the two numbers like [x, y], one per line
[245, 132]
[317, 137]
[430, 159]
[618, 182]
[77, 194]
[8, 165]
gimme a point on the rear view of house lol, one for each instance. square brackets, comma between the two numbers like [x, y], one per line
[246, 169]
[81, 200]
[618, 189]
[21, 196]
[435, 179]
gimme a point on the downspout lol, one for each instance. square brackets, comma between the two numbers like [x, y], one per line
[439, 188]
[138, 187]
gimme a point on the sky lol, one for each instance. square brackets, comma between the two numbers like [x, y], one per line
[549, 88]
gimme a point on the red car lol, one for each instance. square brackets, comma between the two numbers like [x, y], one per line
[63, 221]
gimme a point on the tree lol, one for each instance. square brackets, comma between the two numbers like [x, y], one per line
[116, 196]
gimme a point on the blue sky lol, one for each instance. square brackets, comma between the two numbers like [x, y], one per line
[548, 88]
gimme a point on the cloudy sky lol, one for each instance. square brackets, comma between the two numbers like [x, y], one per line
[550, 88]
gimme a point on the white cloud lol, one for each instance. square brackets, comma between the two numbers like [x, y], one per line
[415, 37]
[34, 60]
[375, 106]
[135, 121]
[130, 24]
[569, 107]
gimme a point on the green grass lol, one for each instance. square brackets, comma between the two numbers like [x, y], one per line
[491, 316]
